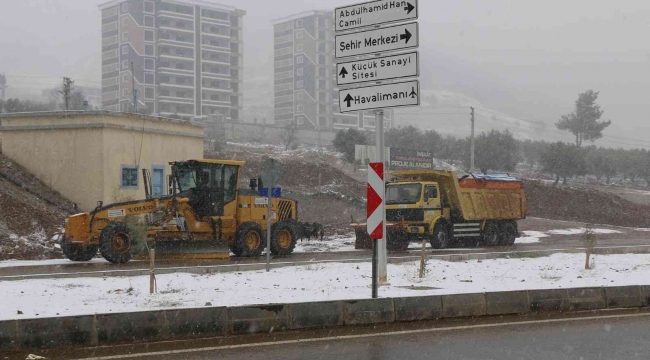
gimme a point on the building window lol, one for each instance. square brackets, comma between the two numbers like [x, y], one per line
[299, 108]
[300, 96]
[125, 78]
[322, 96]
[148, 21]
[125, 21]
[299, 72]
[149, 7]
[299, 48]
[298, 24]
[148, 35]
[300, 120]
[148, 49]
[149, 93]
[321, 84]
[322, 72]
[149, 78]
[149, 64]
[125, 36]
[300, 84]
[125, 64]
[125, 49]
[321, 34]
[321, 47]
[125, 7]
[299, 59]
[321, 59]
[129, 176]
[125, 93]
[299, 34]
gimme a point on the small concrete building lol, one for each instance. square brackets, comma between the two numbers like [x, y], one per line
[99, 155]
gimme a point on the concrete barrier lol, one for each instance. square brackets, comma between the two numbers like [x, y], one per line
[131, 327]
[510, 302]
[316, 315]
[51, 332]
[548, 300]
[462, 305]
[587, 298]
[151, 326]
[624, 296]
[258, 319]
[197, 322]
[418, 308]
[371, 311]
[8, 335]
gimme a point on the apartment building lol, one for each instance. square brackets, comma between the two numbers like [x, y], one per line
[184, 57]
[305, 75]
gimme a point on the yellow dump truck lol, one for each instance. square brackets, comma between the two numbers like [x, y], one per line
[444, 209]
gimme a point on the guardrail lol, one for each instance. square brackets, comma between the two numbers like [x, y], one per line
[151, 326]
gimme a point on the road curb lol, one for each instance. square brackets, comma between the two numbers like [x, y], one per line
[215, 269]
[152, 326]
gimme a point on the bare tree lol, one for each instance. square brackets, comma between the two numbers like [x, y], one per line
[590, 242]
[288, 136]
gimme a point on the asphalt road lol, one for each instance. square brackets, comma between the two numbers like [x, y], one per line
[624, 237]
[592, 335]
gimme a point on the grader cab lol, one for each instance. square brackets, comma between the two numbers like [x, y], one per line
[205, 212]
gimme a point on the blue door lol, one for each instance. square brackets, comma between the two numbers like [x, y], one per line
[158, 182]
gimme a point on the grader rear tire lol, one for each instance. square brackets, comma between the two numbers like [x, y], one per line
[249, 241]
[115, 243]
[283, 239]
[78, 252]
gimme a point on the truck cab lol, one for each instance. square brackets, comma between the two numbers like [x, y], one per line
[415, 205]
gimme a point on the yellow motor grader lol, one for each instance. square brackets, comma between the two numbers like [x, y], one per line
[205, 207]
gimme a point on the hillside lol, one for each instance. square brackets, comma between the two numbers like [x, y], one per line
[31, 215]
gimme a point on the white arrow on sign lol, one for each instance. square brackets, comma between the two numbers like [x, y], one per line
[374, 13]
[380, 96]
[392, 38]
[377, 69]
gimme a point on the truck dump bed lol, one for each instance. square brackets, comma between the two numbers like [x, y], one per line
[478, 197]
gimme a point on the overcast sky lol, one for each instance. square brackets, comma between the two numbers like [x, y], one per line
[540, 54]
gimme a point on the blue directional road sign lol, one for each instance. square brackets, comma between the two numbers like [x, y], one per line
[264, 192]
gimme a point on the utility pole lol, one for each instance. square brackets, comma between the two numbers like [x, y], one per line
[471, 166]
[66, 91]
[3, 86]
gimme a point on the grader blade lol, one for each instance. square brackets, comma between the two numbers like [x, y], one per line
[188, 250]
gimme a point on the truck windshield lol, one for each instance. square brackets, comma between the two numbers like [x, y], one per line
[403, 193]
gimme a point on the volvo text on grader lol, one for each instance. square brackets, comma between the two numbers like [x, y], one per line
[205, 206]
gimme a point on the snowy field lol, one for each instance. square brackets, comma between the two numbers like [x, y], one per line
[317, 282]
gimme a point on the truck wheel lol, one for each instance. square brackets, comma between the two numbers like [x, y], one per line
[283, 239]
[490, 234]
[508, 234]
[115, 243]
[440, 238]
[249, 241]
[78, 252]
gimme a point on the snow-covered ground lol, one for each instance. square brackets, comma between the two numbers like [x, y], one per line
[317, 282]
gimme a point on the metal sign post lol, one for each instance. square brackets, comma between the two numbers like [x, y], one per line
[376, 39]
[376, 215]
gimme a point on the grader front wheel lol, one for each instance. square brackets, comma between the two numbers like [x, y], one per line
[115, 243]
